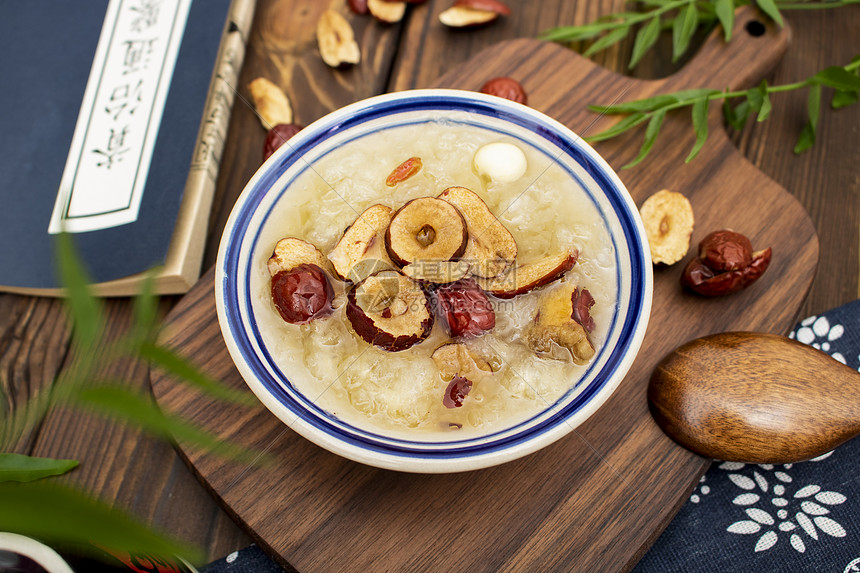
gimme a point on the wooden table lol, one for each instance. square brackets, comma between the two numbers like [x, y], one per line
[147, 477]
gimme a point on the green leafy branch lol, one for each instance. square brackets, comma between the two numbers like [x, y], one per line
[683, 17]
[754, 101]
[32, 505]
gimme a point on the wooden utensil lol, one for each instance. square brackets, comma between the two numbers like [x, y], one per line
[753, 397]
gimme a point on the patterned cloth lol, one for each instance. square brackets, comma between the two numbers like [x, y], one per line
[768, 518]
[802, 517]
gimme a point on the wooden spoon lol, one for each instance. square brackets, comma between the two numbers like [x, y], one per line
[758, 398]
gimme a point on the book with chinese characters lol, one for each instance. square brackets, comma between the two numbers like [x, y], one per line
[114, 115]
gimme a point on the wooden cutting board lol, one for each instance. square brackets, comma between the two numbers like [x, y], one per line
[594, 500]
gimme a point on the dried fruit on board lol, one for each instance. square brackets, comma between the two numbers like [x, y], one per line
[668, 220]
[722, 268]
[507, 88]
[388, 11]
[272, 104]
[336, 40]
[277, 136]
[469, 13]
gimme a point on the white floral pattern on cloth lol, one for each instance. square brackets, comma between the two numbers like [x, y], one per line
[817, 332]
[777, 507]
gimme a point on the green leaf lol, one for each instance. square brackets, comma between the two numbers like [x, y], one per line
[84, 308]
[755, 99]
[725, 10]
[184, 371]
[742, 112]
[628, 122]
[646, 104]
[813, 105]
[20, 468]
[136, 409]
[700, 125]
[765, 106]
[683, 29]
[64, 516]
[609, 39]
[576, 33]
[645, 39]
[844, 98]
[838, 78]
[650, 137]
[769, 7]
[145, 310]
[807, 134]
[805, 140]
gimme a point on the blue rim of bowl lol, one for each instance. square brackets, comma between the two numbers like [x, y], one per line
[348, 440]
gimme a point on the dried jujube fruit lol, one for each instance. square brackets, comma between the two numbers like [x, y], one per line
[302, 294]
[726, 264]
[465, 308]
[582, 301]
[277, 136]
[507, 88]
[725, 251]
[457, 390]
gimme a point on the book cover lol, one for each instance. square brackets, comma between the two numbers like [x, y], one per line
[114, 114]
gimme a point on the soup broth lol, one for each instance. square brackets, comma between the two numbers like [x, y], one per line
[546, 211]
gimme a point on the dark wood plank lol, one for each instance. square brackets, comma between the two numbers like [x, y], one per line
[319, 512]
[824, 179]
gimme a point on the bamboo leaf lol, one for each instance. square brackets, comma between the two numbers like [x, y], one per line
[650, 137]
[765, 107]
[838, 78]
[700, 125]
[844, 98]
[139, 410]
[683, 29]
[725, 10]
[769, 7]
[21, 468]
[184, 371]
[65, 516]
[607, 40]
[628, 122]
[84, 308]
[645, 39]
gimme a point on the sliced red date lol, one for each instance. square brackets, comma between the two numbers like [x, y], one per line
[456, 392]
[582, 301]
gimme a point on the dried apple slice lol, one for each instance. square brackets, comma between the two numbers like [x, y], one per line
[389, 310]
[290, 252]
[521, 279]
[361, 250]
[554, 327]
[491, 248]
[426, 229]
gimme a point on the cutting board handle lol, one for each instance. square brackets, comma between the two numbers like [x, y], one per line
[757, 45]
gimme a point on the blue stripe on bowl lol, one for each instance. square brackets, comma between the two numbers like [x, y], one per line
[356, 437]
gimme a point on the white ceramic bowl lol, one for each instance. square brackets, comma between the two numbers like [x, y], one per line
[271, 184]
